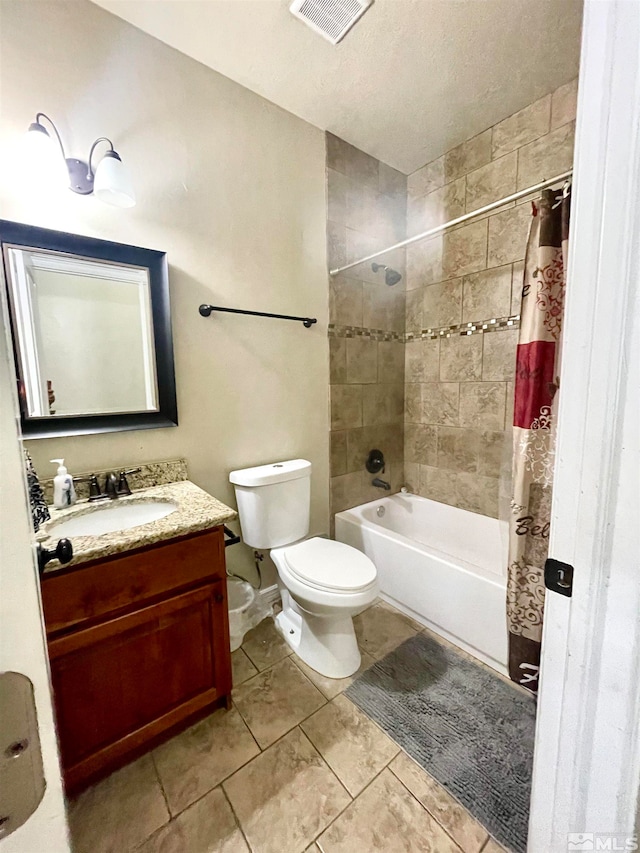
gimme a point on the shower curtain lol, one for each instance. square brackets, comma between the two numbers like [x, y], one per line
[535, 406]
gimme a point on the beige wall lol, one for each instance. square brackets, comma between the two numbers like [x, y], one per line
[233, 189]
[459, 387]
[366, 211]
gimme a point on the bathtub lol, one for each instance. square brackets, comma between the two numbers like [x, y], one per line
[445, 567]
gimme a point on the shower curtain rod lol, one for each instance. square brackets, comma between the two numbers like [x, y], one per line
[432, 231]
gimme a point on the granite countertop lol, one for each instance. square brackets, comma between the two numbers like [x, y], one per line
[197, 510]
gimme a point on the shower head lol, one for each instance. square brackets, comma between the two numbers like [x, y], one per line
[391, 276]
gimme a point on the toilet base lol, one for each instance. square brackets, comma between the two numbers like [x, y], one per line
[325, 643]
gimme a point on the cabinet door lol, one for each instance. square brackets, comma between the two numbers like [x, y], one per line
[125, 681]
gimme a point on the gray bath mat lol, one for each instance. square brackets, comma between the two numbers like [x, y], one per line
[466, 727]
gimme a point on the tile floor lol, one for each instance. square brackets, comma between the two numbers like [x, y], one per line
[293, 767]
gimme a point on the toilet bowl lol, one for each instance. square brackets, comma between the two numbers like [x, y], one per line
[323, 583]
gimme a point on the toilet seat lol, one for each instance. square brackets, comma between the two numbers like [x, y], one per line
[325, 564]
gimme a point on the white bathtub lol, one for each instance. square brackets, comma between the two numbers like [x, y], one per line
[445, 567]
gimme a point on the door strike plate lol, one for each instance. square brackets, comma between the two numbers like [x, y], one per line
[558, 577]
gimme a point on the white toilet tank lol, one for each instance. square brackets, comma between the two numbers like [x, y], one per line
[273, 502]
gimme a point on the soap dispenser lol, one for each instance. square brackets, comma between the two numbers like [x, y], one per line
[64, 493]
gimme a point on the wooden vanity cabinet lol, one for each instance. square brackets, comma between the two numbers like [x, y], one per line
[139, 648]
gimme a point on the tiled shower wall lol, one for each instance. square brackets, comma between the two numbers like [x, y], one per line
[459, 386]
[366, 211]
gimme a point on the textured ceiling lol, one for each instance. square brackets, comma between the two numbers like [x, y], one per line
[411, 80]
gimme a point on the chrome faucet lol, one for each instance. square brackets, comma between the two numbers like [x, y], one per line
[381, 484]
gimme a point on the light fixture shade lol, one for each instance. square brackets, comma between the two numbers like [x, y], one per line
[45, 165]
[112, 183]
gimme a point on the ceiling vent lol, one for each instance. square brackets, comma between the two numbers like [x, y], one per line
[331, 18]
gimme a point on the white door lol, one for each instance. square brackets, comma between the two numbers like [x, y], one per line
[22, 640]
[587, 756]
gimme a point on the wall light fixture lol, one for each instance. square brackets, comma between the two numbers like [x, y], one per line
[109, 181]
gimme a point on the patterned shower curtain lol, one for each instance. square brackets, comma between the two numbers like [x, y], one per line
[535, 405]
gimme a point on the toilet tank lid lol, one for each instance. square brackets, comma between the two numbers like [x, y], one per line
[276, 472]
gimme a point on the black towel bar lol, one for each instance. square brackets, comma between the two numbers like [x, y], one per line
[205, 311]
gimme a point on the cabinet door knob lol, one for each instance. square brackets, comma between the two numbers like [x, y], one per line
[218, 598]
[63, 552]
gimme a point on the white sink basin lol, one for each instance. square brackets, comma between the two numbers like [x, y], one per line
[107, 519]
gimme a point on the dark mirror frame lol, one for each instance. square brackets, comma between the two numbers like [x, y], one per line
[33, 237]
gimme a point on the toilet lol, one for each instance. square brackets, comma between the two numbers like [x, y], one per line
[323, 583]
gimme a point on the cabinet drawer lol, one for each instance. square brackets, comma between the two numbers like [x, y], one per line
[122, 682]
[91, 592]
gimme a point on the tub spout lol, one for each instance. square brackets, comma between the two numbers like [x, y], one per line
[381, 484]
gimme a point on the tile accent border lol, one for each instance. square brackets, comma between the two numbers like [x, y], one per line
[336, 331]
[478, 327]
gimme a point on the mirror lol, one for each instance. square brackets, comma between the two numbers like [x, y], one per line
[91, 331]
[84, 334]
